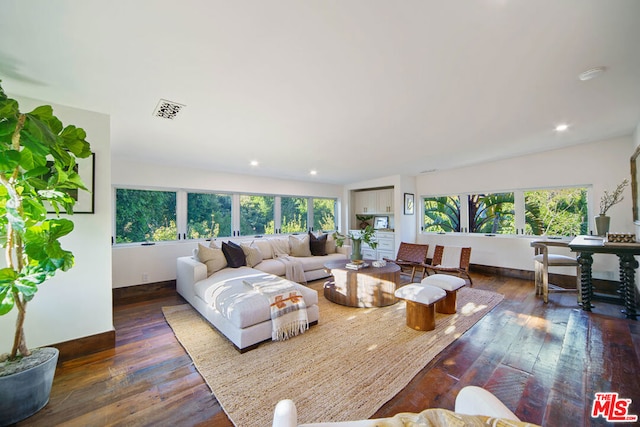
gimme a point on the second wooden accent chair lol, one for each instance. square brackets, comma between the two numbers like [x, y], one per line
[451, 260]
[411, 256]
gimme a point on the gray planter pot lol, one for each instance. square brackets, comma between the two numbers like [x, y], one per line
[602, 225]
[24, 393]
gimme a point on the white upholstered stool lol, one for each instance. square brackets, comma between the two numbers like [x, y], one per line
[421, 309]
[450, 284]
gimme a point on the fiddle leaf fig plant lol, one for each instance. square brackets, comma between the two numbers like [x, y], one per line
[37, 169]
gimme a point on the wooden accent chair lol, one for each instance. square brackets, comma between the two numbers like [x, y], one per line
[411, 256]
[543, 260]
[451, 260]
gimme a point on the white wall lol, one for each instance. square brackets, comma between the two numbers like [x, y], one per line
[158, 262]
[603, 165]
[77, 303]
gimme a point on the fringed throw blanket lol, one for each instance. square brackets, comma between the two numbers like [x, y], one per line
[288, 310]
[293, 269]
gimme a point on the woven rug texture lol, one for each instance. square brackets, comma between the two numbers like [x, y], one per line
[344, 368]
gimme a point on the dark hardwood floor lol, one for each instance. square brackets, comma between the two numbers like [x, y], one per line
[545, 362]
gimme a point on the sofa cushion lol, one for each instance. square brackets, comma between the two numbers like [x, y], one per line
[272, 266]
[252, 254]
[331, 244]
[318, 245]
[242, 305]
[212, 257]
[299, 246]
[280, 246]
[234, 254]
[265, 248]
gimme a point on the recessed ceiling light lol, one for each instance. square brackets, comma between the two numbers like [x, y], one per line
[591, 73]
[254, 163]
[313, 172]
[562, 127]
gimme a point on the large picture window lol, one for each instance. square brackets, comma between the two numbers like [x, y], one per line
[293, 214]
[559, 212]
[208, 215]
[256, 215]
[145, 216]
[491, 213]
[324, 214]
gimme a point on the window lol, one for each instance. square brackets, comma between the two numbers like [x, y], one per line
[145, 216]
[293, 214]
[324, 214]
[441, 214]
[256, 215]
[559, 212]
[491, 213]
[208, 215]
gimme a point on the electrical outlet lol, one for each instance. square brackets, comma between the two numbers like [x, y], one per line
[145, 277]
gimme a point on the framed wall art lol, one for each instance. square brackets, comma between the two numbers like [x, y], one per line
[408, 203]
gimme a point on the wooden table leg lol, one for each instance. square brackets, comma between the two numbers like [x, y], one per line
[628, 265]
[586, 260]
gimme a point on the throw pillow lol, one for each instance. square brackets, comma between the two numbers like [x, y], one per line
[252, 254]
[264, 246]
[300, 246]
[280, 247]
[318, 245]
[331, 244]
[213, 258]
[234, 254]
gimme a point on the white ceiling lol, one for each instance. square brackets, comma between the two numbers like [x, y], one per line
[355, 89]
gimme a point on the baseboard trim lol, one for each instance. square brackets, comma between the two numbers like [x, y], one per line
[608, 287]
[144, 292]
[86, 345]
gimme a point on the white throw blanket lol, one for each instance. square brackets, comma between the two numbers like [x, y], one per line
[293, 269]
[288, 310]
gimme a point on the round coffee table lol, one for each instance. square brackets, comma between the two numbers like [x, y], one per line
[367, 287]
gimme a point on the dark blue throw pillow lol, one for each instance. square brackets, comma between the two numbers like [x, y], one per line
[234, 254]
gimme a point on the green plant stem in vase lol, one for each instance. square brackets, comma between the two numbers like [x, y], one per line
[368, 236]
[606, 202]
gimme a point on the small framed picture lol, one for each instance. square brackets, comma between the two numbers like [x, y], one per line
[380, 222]
[408, 203]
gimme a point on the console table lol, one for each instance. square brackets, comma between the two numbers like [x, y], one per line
[586, 246]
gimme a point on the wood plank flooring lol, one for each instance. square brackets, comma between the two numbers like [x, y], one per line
[545, 362]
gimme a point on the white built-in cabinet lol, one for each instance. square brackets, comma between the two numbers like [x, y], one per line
[374, 202]
[385, 248]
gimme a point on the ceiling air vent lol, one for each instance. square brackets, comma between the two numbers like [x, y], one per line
[167, 109]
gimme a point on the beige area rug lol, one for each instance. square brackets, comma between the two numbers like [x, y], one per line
[344, 368]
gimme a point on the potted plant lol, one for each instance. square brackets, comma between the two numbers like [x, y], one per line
[606, 202]
[37, 170]
[366, 235]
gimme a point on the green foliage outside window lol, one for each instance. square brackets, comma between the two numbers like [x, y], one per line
[256, 215]
[442, 214]
[324, 214]
[145, 216]
[293, 211]
[208, 215]
[491, 213]
[561, 212]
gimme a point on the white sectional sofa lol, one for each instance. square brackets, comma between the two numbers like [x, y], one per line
[234, 308]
